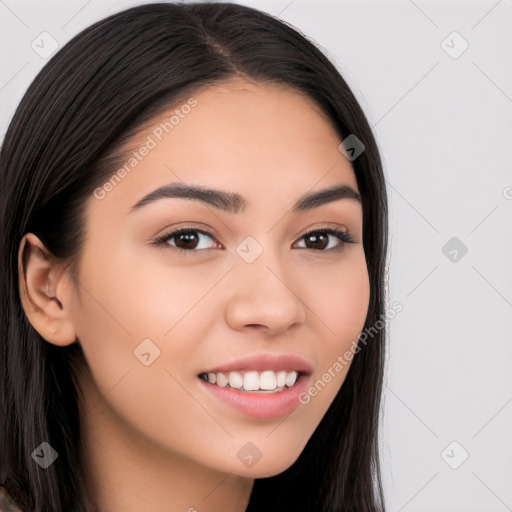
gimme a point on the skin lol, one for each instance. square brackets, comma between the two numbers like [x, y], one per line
[155, 439]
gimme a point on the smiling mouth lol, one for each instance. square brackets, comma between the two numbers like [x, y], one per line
[267, 381]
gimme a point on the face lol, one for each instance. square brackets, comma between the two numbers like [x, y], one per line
[262, 289]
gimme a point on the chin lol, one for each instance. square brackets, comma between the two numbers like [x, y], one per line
[271, 464]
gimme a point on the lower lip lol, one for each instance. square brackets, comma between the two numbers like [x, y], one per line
[261, 405]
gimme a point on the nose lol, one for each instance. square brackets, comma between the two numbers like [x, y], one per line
[261, 298]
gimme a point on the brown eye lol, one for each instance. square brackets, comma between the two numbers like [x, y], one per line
[316, 241]
[320, 240]
[188, 240]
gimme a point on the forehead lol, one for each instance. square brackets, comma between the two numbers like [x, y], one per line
[263, 140]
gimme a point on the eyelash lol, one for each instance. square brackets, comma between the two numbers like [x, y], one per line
[343, 236]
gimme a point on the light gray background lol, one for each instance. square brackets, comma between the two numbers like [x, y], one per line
[444, 128]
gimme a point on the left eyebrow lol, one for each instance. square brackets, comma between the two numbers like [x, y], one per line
[235, 203]
[327, 195]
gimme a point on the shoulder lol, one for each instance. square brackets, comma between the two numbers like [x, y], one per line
[6, 502]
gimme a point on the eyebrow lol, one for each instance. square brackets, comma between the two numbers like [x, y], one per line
[234, 203]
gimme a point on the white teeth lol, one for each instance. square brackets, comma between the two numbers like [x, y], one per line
[222, 380]
[235, 380]
[291, 378]
[251, 381]
[267, 380]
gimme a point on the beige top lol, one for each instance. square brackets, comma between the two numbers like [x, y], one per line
[6, 502]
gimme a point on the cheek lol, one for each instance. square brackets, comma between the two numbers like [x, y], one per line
[124, 301]
[124, 304]
[128, 293]
[340, 304]
[342, 300]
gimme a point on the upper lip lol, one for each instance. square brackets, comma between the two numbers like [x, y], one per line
[261, 362]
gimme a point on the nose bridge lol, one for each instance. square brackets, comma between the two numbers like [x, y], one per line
[262, 291]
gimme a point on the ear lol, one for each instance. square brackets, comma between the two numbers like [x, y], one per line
[45, 290]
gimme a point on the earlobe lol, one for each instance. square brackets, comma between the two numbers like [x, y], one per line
[45, 291]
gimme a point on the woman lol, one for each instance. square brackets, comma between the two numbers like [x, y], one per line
[195, 219]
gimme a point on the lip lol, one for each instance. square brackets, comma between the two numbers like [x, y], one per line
[258, 404]
[261, 405]
[262, 362]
